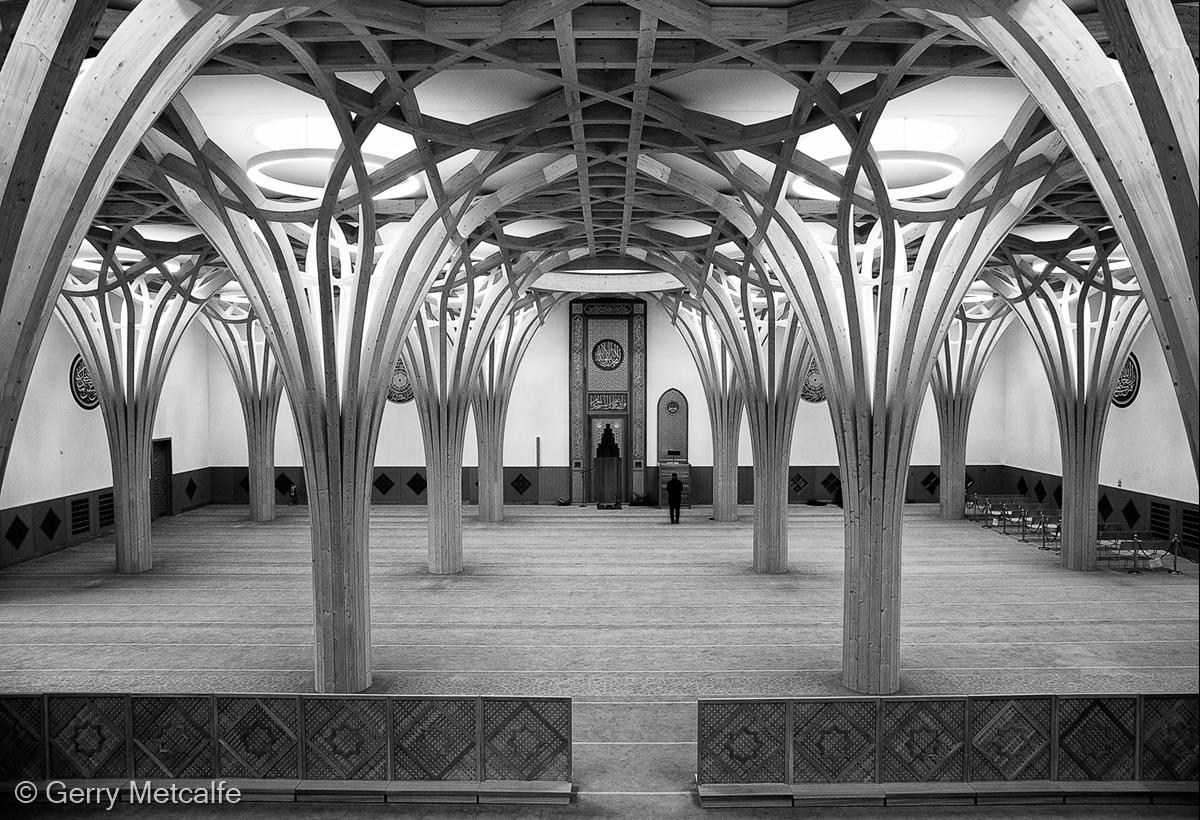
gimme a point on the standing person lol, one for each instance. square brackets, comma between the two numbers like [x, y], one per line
[674, 496]
[292, 495]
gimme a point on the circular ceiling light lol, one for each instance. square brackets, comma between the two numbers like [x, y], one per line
[303, 172]
[908, 175]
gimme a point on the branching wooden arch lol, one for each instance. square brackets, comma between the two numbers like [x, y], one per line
[1084, 317]
[128, 318]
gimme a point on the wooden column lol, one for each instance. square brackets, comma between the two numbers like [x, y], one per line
[722, 394]
[961, 359]
[762, 332]
[1084, 317]
[1133, 126]
[127, 318]
[337, 321]
[84, 126]
[492, 393]
[239, 336]
[876, 319]
[444, 354]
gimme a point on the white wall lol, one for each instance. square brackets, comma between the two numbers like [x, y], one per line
[541, 398]
[60, 449]
[1145, 445]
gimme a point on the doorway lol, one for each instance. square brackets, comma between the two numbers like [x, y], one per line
[160, 479]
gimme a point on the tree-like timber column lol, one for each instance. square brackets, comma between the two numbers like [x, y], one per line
[1133, 123]
[493, 392]
[958, 369]
[84, 125]
[243, 344]
[444, 354]
[763, 335]
[335, 321]
[127, 319]
[875, 321]
[1084, 317]
[722, 394]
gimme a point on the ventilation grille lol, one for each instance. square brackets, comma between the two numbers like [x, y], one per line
[80, 516]
[1190, 534]
[106, 510]
[1160, 520]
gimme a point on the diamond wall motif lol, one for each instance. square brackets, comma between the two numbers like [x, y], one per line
[923, 740]
[21, 741]
[1010, 738]
[1096, 738]
[345, 738]
[742, 742]
[434, 739]
[1170, 737]
[172, 736]
[833, 741]
[256, 737]
[87, 736]
[527, 739]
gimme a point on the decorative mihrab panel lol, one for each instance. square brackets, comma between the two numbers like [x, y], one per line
[172, 736]
[434, 739]
[345, 738]
[923, 741]
[742, 742]
[1096, 738]
[672, 426]
[21, 739]
[87, 736]
[833, 741]
[1170, 729]
[256, 737]
[1010, 738]
[526, 739]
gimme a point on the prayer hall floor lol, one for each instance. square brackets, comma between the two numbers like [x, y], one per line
[630, 616]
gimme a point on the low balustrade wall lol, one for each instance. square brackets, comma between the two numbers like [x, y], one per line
[986, 749]
[394, 748]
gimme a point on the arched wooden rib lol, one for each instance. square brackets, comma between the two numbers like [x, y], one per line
[492, 394]
[1135, 133]
[336, 351]
[1084, 320]
[876, 323]
[961, 360]
[722, 393]
[763, 335]
[240, 337]
[128, 323]
[443, 354]
[105, 111]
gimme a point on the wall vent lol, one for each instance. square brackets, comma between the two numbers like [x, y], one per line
[106, 510]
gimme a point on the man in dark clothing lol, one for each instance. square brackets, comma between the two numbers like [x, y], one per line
[674, 496]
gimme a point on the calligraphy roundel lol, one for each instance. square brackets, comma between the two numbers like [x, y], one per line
[400, 388]
[608, 354]
[1129, 381]
[83, 389]
[813, 389]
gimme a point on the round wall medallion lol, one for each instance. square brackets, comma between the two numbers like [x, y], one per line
[83, 390]
[400, 388]
[672, 407]
[1129, 381]
[813, 389]
[608, 354]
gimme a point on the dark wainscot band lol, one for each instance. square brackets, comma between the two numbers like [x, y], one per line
[986, 750]
[344, 748]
